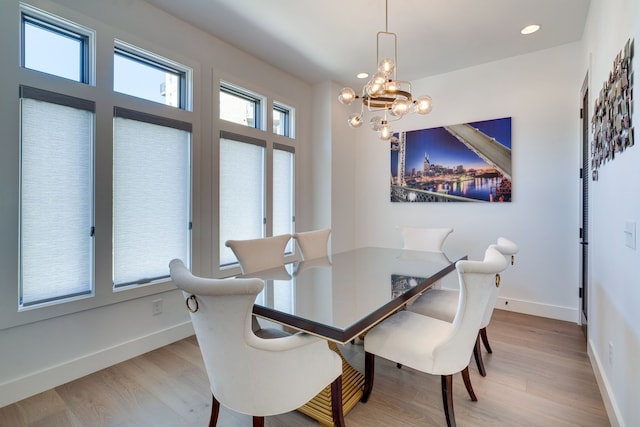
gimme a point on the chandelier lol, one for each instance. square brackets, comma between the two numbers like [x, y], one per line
[384, 93]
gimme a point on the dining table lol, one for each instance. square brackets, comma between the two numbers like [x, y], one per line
[341, 296]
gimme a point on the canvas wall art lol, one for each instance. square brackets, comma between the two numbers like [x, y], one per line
[468, 162]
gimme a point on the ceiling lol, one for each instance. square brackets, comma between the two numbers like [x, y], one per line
[334, 40]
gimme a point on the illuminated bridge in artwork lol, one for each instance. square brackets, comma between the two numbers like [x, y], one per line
[484, 146]
[406, 194]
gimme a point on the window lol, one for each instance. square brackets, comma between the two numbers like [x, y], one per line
[281, 120]
[148, 76]
[55, 46]
[104, 180]
[242, 191]
[56, 197]
[256, 194]
[283, 191]
[240, 106]
[151, 196]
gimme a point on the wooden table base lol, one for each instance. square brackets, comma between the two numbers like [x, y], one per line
[319, 408]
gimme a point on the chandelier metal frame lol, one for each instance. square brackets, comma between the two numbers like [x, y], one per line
[384, 92]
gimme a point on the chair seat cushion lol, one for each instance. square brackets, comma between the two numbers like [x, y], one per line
[438, 303]
[408, 338]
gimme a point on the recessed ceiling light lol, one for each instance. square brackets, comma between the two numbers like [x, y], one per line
[530, 29]
[362, 75]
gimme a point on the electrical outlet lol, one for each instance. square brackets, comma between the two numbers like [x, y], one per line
[630, 234]
[156, 307]
[610, 353]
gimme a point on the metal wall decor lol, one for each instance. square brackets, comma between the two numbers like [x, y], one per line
[611, 121]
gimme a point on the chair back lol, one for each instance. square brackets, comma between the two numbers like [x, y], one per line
[248, 374]
[259, 254]
[313, 244]
[424, 239]
[507, 248]
[477, 280]
[222, 322]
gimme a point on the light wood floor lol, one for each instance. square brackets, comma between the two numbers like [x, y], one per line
[538, 375]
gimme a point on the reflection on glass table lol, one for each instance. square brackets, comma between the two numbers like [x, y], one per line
[341, 297]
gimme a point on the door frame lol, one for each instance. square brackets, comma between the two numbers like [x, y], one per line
[585, 176]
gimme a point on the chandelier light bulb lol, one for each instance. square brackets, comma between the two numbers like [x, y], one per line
[385, 132]
[423, 104]
[355, 120]
[386, 66]
[346, 96]
[392, 86]
[400, 107]
[375, 89]
[376, 123]
[379, 78]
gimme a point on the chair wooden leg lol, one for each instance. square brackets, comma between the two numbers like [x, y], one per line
[215, 410]
[485, 340]
[477, 354]
[258, 421]
[336, 402]
[369, 368]
[467, 384]
[447, 399]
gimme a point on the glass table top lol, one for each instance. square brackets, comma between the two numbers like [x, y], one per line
[341, 297]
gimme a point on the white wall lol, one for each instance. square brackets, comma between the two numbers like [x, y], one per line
[614, 318]
[37, 356]
[540, 92]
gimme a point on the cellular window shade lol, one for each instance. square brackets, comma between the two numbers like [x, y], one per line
[151, 198]
[283, 164]
[56, 199]
[241, 192]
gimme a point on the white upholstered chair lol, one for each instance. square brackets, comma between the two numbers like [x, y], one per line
[430, 239]
[432, 345]
[258, 255]
[442, 304]
[424, 239]
[507, 248]
[313, 244]
[248, 374]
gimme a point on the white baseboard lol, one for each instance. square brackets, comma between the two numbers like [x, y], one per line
[569, 314]
[37, 382]
[605, 389]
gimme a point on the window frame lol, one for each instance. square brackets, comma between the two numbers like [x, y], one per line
[143, 56]
[136, 115]
[66, 28]
[291, 247]
[243, 139]
[287, 126]
[247, 95]
[81, 104]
